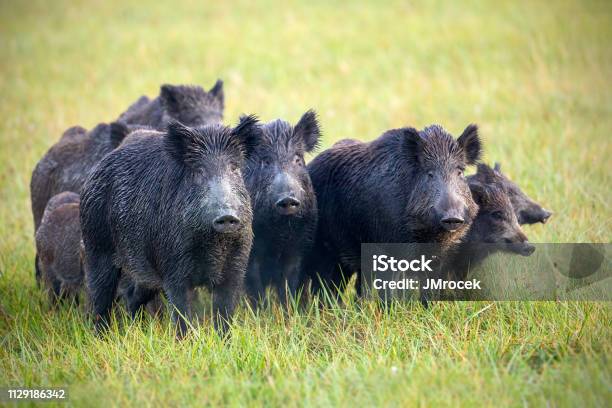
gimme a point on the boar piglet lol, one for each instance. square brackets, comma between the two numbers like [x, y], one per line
[284, 205]
[527, 210]
[405, 186]
[57, 247]
[494, 229]
[173, 213]
[189, 104]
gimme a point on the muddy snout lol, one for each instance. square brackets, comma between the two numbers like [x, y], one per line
[288, 205]
[227, 223]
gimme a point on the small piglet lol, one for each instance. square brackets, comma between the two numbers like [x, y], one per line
[57, 247]
[173, 213]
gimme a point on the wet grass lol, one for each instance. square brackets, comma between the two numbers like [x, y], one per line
[534, 75]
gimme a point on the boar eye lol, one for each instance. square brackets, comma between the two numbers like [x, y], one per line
[297, 159]
[234, 168]
[265, 163]
[430, 174]
[498, 215]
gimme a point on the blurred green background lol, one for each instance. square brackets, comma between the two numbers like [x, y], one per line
[535, 75]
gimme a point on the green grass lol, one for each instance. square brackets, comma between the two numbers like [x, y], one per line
[534, 75]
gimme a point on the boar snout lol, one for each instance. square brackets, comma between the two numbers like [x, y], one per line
[522, 248]
[545, 216]
[288, 192]
[452, 222]
[227, 223]
[288, 205]
[520, 244]
[450, 210]
[526, 248]
[533, 216]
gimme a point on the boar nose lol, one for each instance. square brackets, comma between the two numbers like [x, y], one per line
[226, 223]
[527, 249]
[451, 210]
[452, 223]
[545, 215]
[288, 205]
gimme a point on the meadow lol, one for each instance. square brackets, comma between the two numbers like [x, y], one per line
[536, 77]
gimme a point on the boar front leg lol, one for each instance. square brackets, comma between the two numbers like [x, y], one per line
[288, 279]
[226, 294]
[180, 301]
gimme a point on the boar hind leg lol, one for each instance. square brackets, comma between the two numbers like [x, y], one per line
[102, 281]
[138, 298]
[255, 288]
[37, 272]
[54, 287]
[288, 281]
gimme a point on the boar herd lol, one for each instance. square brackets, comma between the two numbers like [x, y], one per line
[167, 198]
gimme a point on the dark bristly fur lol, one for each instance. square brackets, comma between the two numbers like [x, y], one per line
[152, 209]
[276, 171]
[57, 247]
[527, 210]
[397, 188]
[191, 105]
[68, 162]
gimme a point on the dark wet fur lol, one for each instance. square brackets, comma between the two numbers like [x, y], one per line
[148, 211]
[381, 192]
[527, 210]
[277, 170]
[189, 104]
[67, 164]
[57, 247]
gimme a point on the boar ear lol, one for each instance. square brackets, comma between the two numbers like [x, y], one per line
[217, 91]
[308, 130]
[413, 143]
[486, 174]
[248, 132]
[497, 166]
[479, 192]
[178, 139]
[170, 96]
[470, 143]
[118, 132]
